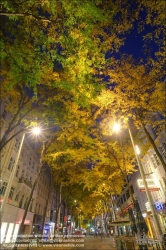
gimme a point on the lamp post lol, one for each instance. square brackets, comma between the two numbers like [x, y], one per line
[149, 197]
[59, 208]
[36, 131]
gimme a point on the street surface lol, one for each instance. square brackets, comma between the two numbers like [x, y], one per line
[92, 243]
[85, 243]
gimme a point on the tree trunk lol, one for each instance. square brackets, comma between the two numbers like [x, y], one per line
[45, 210]
[58, 211]
[28, 203]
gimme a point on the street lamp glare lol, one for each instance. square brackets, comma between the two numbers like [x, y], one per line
[36, 130]
[116, 127]
[137, 150]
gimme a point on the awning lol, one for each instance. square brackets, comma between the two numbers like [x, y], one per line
[121, 222]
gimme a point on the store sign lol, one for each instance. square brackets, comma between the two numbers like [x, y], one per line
[150, 183]
[159, 205]
[150, 189]
[147, 205]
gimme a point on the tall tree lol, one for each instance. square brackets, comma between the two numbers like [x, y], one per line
[142, 94]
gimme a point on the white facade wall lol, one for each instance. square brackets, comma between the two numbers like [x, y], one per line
[26, 174]
[153, 169]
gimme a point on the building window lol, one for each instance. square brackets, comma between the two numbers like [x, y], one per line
[11, 164]
[155, 160]
[36, 208]
[21, 201]
[132, 189]
[4, 114]
[163, 152]
[17, 172]
[22, 176]
[127, 194]
[163, 184]
[157, 129]
[17, 196]
[17, 144]
[124, 197]
[39, 209]
[30, 161]
[164, 145]
[25, 204]
[3, 188]
[11, 193]
[149, 168]
[31, 205]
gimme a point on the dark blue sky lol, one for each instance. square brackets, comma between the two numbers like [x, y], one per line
[135, 45]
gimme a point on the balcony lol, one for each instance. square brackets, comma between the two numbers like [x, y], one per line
[24, 181]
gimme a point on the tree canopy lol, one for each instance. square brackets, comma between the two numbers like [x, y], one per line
[59, 69]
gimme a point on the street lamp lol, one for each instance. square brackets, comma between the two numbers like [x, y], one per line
[116, 128]
[35, 131]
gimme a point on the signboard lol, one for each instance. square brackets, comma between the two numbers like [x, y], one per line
[147, 206]
[159, 205]
[150, 183]
[150, 189]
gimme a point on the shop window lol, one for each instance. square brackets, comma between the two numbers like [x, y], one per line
[3, 188]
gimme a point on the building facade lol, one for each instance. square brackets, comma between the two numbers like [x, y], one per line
[26, 172]
[156, 178]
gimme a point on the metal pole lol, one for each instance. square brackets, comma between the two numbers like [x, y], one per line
[114, 216]
[6, 195]
[59, 210]
[149, 197]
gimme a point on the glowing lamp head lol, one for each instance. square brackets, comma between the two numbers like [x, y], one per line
[137, 150]
[36, 130]
[116, 127]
